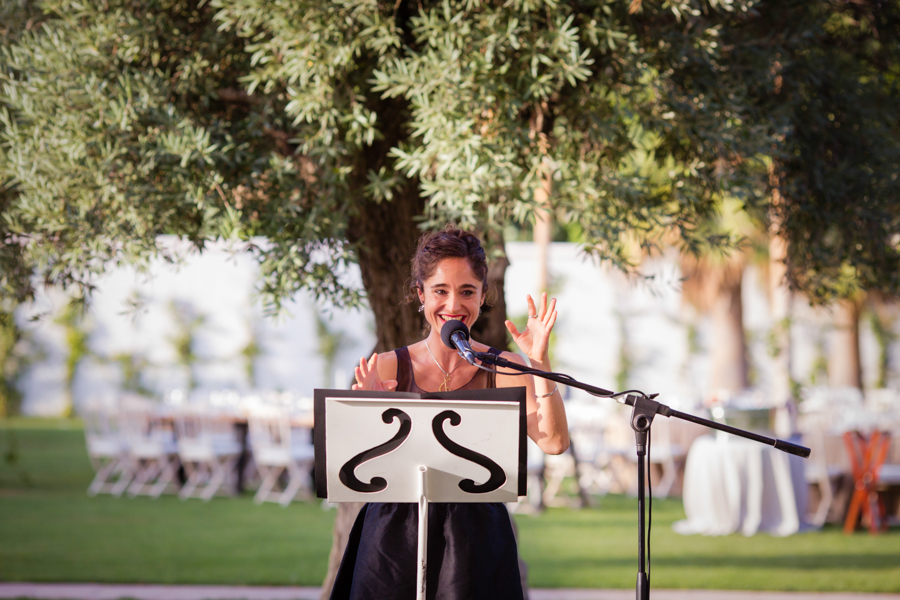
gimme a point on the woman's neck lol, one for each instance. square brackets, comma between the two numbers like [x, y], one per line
[446, 357]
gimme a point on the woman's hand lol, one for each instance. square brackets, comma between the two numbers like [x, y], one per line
[534, 341]
[367, 377]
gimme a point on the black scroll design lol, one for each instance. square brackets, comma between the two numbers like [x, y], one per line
[346, 474]
[498, 475]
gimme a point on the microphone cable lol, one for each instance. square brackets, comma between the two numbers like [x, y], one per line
[649, 502]
[599, 395]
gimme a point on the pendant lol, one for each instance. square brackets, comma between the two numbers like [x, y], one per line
[445, 387]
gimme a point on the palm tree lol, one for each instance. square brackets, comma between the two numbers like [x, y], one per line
[713, 285]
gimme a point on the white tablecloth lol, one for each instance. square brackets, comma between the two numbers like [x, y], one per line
[732, 484]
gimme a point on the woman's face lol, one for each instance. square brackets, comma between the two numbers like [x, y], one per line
[452, 292]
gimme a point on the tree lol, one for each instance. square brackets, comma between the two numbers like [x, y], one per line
[713, 284]
[843, 345]
[834, 219]
[334, 131]
[329, 130]
[836, 146]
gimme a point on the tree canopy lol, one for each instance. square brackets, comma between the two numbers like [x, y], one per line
[332, 129]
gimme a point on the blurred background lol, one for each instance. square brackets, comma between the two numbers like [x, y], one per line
[208, 211]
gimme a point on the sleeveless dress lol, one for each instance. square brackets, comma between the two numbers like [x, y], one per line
[472, 551]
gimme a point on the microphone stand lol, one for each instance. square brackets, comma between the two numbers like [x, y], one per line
[644, 408]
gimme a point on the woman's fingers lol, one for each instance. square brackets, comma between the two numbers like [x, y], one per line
[551, 311]
[551, 321]
[367, 372]
[511, 327]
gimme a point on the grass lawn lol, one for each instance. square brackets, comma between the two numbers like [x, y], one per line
[50, 530]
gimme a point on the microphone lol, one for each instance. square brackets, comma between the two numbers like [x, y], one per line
[455, 335]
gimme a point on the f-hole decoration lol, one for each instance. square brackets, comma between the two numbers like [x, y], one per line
[498, 476]
[347, 476]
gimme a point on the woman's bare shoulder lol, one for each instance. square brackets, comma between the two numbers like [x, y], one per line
[512, 357]
[388, 355]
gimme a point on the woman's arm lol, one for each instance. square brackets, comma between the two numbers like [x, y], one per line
[545, 412]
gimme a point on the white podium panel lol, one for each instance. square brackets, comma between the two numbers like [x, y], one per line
[370, 446]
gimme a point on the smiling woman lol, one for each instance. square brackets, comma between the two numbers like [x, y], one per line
[471, 548]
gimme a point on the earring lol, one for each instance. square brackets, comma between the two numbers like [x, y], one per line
[421, 308]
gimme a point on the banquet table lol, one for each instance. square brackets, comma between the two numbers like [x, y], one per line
[736, 485]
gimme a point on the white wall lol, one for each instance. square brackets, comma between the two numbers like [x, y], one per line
[599, 310]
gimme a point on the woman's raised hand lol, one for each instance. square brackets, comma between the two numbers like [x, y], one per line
[367, 377]
[535, 339]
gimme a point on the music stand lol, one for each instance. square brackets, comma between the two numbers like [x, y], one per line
[420, 448]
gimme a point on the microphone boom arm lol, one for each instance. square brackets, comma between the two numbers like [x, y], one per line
[657, 408]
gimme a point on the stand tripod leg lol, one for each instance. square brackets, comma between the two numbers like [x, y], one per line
[422, 558]
[641, 419]
[642, 586]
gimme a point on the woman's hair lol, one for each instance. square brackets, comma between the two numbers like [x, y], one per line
[435, 246]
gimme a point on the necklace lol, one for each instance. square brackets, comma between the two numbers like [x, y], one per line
[445, 387]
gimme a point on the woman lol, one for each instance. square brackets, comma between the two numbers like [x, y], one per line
[471, 548]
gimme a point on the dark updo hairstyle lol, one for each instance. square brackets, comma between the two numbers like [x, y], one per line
[435, 246]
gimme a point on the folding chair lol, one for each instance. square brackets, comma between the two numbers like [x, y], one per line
[106, 451]
[818, 470]
[277, 451]
[152, 452]
[208, 449]
[871, 475]
[669, 455]
[589, 459]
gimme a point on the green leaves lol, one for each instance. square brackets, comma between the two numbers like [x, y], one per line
[121, 126]
[280, 123]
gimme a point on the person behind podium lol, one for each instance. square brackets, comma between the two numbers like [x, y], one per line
[471, 548]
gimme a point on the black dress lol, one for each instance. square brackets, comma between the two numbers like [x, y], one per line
[472, 552]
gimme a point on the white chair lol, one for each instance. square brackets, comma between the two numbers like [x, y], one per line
[620, 449]
[279, 451]
[590, 459]
[822, 469]
[152, 452]
[666, 453]
[208, 449]
[597, 469]
[106, 451]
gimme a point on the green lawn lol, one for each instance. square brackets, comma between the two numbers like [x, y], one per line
[50, 530]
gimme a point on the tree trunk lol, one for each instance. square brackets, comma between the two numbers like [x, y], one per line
[340, 533]
[490, 328]
[715, 288]
[843, 346]
[729, 349]
[385, 238]
[543, 233]
[884, 314]
[780, 301]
